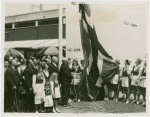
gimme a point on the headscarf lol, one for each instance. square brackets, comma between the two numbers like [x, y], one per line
[128, 62]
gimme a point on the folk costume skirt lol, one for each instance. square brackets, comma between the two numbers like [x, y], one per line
[142, 89]
[135, 83]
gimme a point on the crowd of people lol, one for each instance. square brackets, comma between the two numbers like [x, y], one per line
[39, 85]
[129, 80]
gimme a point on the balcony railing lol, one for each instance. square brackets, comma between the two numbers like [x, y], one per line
[34, 16]
[34, 33]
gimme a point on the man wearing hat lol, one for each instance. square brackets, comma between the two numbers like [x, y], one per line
[65, 80]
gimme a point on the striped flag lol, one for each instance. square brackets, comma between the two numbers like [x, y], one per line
[100, 66]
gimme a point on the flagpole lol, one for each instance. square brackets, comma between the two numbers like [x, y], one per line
[60, 34]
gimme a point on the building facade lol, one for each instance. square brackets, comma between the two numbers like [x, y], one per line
[30, 32]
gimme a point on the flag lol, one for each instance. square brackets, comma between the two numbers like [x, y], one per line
[100, 66]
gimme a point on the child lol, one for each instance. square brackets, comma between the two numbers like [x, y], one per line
[48, 101]
[55, 90]
[38, 89]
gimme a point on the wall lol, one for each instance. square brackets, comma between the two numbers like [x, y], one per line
[34, 33]
[121, 29]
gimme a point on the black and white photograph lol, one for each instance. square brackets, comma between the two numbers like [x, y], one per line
[75, 57]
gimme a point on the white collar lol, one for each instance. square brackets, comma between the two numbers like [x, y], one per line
[55, 64]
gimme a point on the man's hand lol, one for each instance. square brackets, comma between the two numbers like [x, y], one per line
[14, 88]
[30, 89]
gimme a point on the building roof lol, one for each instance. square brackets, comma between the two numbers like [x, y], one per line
[34, 16]
[33, 43]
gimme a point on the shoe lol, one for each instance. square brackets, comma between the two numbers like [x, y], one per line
[116, 100]
[133, 101]
[124, 100]
[106, 98]
[42, 111]
[137, 102]
[54, 111]
[143, 103]
[57, 110]
[127, 102]
[78, 100]
[69, 100]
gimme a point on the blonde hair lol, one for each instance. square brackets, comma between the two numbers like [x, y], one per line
[54, 76]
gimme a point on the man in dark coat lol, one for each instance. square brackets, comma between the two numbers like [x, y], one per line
[65, 80]
[13, 83]
[28, 74]
[53, 66]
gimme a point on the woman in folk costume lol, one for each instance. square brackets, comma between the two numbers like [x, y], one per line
[48, 101]
[142, 89]
[55, 90]
[75, 81]
[115, 82]
[126, 80]
[38, 89]
[135, 82]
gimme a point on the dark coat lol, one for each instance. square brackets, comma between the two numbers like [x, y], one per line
[12, 78]
[28, 73]
[65, 75]
[52, 69]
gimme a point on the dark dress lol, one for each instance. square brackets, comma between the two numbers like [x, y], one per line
[143, 89]
[115, 87]
[135, 89]
[75, 88]
[126, 90]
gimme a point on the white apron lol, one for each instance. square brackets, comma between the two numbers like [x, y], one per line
[39, 93]
[125, 82]
[143, 82]
[48, 101]
[57, 92]
[134, 80]
[76, 78]
[115, 79]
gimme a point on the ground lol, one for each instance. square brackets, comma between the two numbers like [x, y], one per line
[102, 107]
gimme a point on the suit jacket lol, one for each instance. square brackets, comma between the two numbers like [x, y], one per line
[28, 74]
[65, 75]
[12, 77]
[52, 69]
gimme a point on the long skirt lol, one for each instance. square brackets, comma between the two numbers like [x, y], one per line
[142, 89]
[114, 83]
[48, 101]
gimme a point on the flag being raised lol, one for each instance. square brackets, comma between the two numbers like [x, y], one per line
[100, 66]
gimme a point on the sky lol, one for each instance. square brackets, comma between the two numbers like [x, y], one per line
[114, 27]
